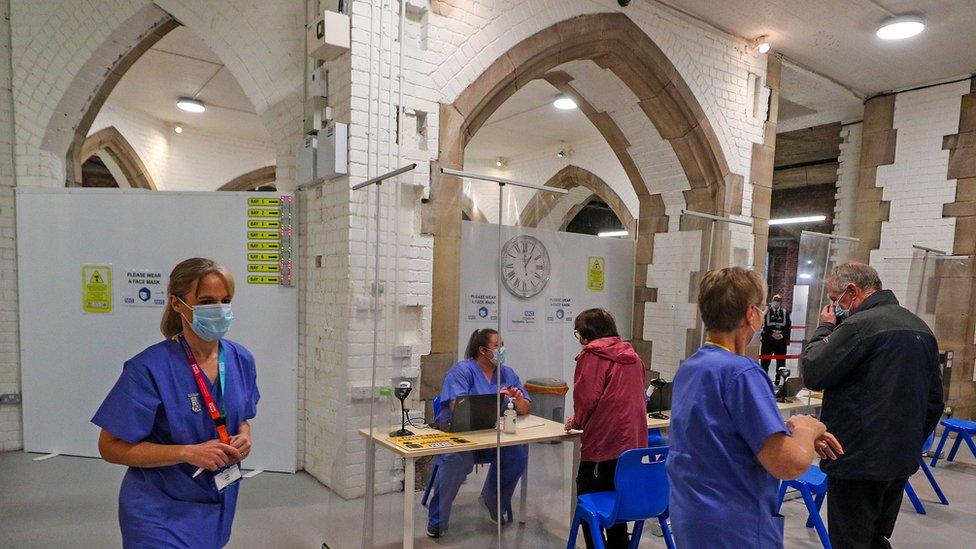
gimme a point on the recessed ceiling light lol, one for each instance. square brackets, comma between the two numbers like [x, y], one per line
[762, 44]
[795, 220]
[178, 129]
[190, 105]
[501, 162]
[903, 26]
[564, 103]
[606, 234]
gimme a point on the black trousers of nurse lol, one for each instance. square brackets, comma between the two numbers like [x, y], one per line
[598, 476]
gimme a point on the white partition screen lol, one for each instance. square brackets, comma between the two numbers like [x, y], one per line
[70, 358]
[586, 271]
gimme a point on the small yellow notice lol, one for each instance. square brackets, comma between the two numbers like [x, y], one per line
[263, 212]
[96, 288]
[263, 224]
[263, 279]
[263, 235]
[596, 270]
[263, 268]
[263, 257]
[275, 202]
[264, 246]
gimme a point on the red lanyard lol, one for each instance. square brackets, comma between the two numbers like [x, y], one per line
[220, 422]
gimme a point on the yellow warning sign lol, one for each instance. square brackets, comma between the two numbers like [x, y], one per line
[273, 202]
[264, 246]
[423, 442]
[263, 212]
[263, 257]
[96, 288]
[263, 268]
[263, 235]
[263, 224]
[596, 270]
[263, 279]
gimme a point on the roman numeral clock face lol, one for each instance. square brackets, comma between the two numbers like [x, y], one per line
[525, 266]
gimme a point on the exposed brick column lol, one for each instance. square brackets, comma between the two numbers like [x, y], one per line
[877, 149]
[955, 313]
[761, 168]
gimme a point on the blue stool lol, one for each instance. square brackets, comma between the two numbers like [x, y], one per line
[813, 487]
[964, 430]
[910, 491]
[641, 493]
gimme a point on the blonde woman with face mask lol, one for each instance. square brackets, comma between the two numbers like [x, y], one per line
[178, 418]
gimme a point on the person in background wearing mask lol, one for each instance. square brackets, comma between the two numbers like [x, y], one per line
[159, 418]
[729, 444]
[608, 405]
[775, 334]
[476, 375]
[879, 371]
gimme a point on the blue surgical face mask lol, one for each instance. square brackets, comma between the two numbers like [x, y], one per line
[838, 310]
[211, 322]
[498, 356]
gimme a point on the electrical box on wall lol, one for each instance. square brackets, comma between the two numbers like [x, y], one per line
[329, 36]
[317, 115]
[318, 82]
[333, 153]
[306, 153]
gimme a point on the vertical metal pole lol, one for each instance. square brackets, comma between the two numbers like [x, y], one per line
[921, 281]
[498, 375]
[708, 267]
[370, 452]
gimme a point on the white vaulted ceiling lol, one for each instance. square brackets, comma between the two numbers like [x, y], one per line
[181, 64]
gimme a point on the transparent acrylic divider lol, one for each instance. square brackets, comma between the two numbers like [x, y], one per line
[378, 366]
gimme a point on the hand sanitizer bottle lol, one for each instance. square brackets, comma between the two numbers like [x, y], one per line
[510, 419]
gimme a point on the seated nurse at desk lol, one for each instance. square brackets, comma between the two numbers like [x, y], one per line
[476, 375]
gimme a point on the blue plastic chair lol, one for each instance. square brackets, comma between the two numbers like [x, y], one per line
[656, 439]
[813, 487]
[641, 493]
[964, 430]
[910, 491]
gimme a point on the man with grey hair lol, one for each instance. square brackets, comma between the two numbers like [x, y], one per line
[878, 365]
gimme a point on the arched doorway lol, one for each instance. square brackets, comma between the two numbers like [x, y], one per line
[614, 43]
[110, 143]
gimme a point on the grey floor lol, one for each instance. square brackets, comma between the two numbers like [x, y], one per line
[67, 501]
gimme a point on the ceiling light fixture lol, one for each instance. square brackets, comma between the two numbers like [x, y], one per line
[561, 153]
[190, 105]
[178, 129]
[898, 28]
[564, 103]
[606, 234]
[806, 275]
[762, 44]
[501, 162]
[796, 220]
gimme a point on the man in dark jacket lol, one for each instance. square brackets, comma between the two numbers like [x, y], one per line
[775, 335]
[879, 370]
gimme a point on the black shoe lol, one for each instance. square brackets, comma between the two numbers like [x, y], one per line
[434, 531]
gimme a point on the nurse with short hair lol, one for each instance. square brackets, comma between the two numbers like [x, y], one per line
[178, 418]
[729, 446]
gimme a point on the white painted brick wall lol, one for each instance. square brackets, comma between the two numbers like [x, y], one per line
[916, 183]
[847, 178]
[191, 161]
[11, 436]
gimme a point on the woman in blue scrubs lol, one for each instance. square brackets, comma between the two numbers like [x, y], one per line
[477, 375]
[180, 489]
[729, 445]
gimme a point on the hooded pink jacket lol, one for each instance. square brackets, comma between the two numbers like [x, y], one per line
[608, 399]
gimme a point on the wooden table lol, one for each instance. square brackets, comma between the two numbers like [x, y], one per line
[483, 440]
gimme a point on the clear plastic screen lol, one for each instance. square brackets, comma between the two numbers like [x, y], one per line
[818, 255]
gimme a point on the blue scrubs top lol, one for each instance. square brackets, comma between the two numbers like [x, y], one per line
[723, 409]
[466, 378]
[151, 401]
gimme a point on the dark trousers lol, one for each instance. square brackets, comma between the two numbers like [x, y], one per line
[774, 347]
[597, 476]
[862, 513]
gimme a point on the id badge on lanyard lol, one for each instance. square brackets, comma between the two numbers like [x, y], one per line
[232, 473]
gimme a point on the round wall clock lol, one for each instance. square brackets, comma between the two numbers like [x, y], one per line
[525, 267]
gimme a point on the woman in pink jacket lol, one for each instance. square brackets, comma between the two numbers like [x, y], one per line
[608, 405]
